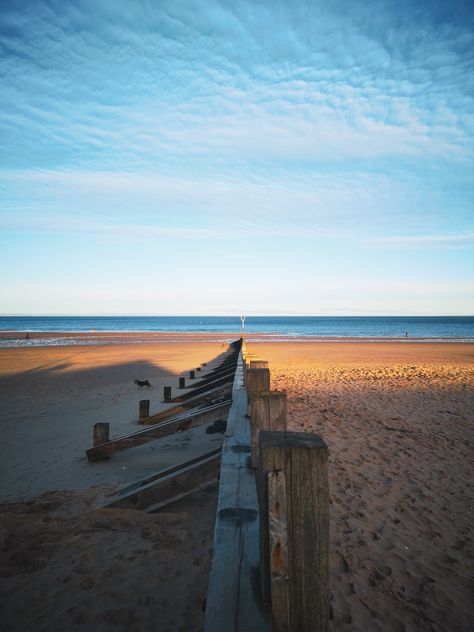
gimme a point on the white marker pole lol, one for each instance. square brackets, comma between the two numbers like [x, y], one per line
[242, 318]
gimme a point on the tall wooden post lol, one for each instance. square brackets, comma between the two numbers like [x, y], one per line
[167, 393]
[257, 381]
[294, 530]
[143, 409]
[100, 433]
[191, 375]
[182, 382]
[269, 412]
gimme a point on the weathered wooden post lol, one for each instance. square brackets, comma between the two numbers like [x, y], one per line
[191, 375]
[182, 382]
[167, 393]
[143, 409]
[269, 412]
[258, 364]
[294, 530]
[257, 381]
[250, 357]
[100, 433]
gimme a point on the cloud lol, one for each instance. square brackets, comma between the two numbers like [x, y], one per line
[292, 123]
[355, 206]
[143, 85]
[425, 241]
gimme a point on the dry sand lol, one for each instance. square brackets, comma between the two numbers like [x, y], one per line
[398, 422]
[65, 562]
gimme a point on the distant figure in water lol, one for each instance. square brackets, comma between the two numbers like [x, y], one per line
[27, 337]
[406, 334]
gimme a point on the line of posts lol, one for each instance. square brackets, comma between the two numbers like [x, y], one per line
[291, 470]
[101, 430]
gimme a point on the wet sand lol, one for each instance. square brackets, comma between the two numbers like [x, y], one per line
[399, 424]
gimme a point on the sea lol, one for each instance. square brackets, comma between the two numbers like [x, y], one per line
[294, 328]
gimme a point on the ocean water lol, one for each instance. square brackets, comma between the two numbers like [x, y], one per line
[426, 328]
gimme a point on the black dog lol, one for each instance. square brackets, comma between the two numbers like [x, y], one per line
[141, 383]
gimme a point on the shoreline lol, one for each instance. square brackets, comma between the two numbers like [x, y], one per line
[16, 338]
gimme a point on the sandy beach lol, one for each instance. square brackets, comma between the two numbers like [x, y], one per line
[398, 420]
[399, 423]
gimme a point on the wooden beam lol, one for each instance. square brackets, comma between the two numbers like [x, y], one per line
[234, 602]
[295, 559]
[169, 486]
[169, 470]
[209, 397]
[176, 424]
[204, 389]
[212, 376]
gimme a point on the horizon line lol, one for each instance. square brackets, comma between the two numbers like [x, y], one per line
[284, 315]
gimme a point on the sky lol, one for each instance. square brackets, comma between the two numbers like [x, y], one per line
[220, 157]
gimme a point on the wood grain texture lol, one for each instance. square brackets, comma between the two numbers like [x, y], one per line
[269, 412]
[234, 600]
[278, 549]
[143, 408]
[257, 381]
[100, 433]
[302, 457]
[258, 364]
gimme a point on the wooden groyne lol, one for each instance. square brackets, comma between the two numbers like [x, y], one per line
[208, 401]
[270, 556]
[270, 560]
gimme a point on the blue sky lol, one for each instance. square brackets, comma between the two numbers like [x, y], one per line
[221, 156]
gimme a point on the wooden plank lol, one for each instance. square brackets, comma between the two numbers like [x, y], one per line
[211, 377]
[164, 472]
[234, 599]
[176, 424]
[302, 457]
[208, 398]
[227, 379]
[170, 486]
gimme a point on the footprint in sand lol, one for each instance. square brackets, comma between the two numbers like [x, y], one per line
[338, 563]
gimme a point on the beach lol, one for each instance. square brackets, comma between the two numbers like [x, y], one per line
[399, 423]
[398, 420]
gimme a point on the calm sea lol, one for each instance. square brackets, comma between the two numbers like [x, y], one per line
[427, 328]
